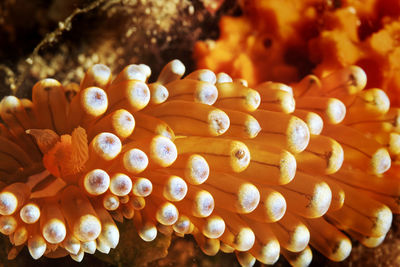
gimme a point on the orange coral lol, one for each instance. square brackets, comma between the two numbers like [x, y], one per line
[256, 45]
[284, 40]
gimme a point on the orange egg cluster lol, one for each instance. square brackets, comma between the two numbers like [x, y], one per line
[259, 171]
[285, 40]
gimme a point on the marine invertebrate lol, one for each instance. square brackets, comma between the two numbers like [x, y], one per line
[239, 168]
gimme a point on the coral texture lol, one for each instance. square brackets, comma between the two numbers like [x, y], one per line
[283, 41]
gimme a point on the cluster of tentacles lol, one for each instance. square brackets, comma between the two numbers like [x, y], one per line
[257, 171]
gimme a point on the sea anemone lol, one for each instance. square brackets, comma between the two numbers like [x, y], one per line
[257, 171]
